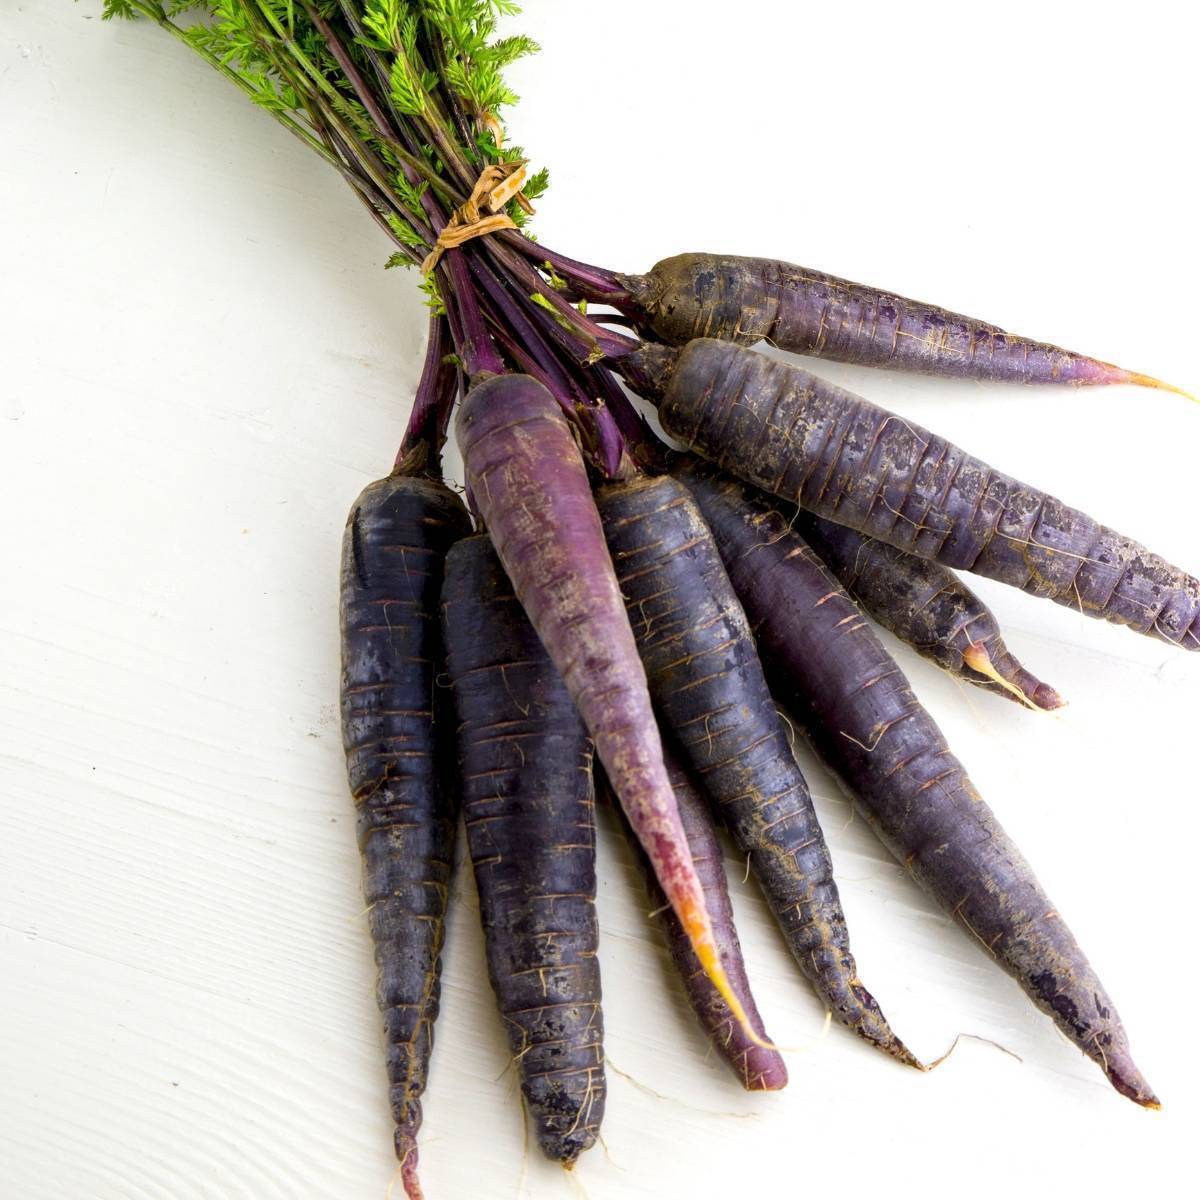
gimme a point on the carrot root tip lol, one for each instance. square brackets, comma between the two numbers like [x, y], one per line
[1137, 379]
[1044, 698]
[408, 1176]
[1128, 1080]
[905, 1056]
[776, 1085]
[710, 960]
[1047, 699]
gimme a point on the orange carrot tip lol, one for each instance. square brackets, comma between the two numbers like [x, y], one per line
[1118, 375]
[1148, 381]
[706, 952]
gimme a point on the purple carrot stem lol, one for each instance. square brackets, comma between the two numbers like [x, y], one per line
[587, 336]
[456, 329]
[456, 387]
[433, 210]
[602, 437]
[509, 308]
[610, 442]
[530, 366]
[562, 383]
[449, 388]
[476, 348]
[423, 423]
[631, 422]
[364, 187]
[361, 88]
[593, 283]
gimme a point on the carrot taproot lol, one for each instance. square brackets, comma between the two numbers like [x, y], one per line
[844, 458]
[758, 1068]
[746, 300]
[525, 777]
[709, 688]
[528, 480]
[396, 743]
[861, 716]
[927, 606]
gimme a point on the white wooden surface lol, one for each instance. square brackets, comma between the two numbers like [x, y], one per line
[204, 363]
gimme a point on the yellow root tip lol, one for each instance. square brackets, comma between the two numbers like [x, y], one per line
[977, 658]
[706, 952]
[1148, 381]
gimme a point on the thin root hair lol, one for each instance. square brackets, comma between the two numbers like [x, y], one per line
[974, 1037]
[657, 1095]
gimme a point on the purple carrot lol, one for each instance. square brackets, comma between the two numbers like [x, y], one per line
[844, 458]
[528, 481]
[395, 738]
[859, 713]
[746, 300]
[928, 607]
[525, 775]
[758, 1068]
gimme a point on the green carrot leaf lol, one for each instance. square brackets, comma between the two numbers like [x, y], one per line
[433, 295]
[536, 184]
[404, 232]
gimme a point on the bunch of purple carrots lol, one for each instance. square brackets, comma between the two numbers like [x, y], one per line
[619, 616]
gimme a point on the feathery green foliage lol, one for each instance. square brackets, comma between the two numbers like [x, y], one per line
[404, 232]
[475, 58]
[403, 98]
[333, 71]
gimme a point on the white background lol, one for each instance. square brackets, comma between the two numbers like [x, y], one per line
[203, 363]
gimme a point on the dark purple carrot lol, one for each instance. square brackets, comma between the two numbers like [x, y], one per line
[528, 480]
[709, 689]
[746, 300]
[758, 1068]
[525, 771]
[927, 606]
[846, 459]
[859, 713]
[393, 552]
